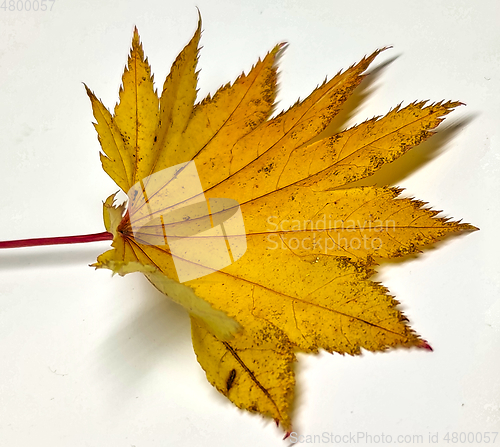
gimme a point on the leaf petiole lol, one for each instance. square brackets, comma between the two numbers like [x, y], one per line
[95, 237]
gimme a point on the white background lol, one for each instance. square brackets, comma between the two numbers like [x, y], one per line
[90, 360]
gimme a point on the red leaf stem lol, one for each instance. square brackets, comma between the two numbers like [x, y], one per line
[104, 236]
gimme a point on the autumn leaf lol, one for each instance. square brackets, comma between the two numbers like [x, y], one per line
[307, 250]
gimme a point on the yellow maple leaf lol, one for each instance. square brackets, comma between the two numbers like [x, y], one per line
[299, 269]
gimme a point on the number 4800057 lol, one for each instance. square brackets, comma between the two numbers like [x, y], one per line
[27, 5]
[470, 437]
